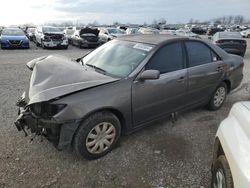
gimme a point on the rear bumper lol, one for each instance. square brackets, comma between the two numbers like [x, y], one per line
[59, 133]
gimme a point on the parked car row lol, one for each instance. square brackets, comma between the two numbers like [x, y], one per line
[50, 37]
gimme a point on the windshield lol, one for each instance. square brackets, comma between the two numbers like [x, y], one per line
[230, 35]
[117, 58]
[29, 30]
[51, 29]
[114, 31]
[13, 32]
[70, 32]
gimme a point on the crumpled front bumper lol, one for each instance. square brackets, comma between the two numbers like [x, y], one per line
[59, 133]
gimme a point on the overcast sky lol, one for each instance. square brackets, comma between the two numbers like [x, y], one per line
[125, 11]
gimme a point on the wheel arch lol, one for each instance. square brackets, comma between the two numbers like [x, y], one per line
[228, 83]
[217, 151]
[114, 111]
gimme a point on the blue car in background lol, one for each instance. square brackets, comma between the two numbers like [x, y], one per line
[13, 38]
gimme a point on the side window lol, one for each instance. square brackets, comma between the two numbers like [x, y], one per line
[167, 59]
[198, 53]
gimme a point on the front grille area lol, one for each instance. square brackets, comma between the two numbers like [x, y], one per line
[15, 42]
[56, 37]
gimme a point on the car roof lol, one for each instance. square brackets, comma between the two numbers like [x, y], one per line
[154, 39]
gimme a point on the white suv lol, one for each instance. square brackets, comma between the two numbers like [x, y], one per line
[245, 33]
[231, 157]
[49, 37]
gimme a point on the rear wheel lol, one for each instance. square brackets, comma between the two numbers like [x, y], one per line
[221, 174]
[219, 96]
[97, 135]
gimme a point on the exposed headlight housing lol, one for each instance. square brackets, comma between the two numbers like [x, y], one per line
[46, 110]
[46, 38]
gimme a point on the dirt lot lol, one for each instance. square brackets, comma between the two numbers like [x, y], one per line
[162, 155]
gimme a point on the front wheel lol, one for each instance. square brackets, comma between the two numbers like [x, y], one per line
[97, 135]
[42, 44]
[218, 98]
[221, 174]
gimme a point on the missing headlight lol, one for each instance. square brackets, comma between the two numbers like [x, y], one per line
[46, 110]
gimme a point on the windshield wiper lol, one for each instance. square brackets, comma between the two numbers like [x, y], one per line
[96, 68]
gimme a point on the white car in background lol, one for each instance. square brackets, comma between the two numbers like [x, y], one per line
[50, 37]
[69, 32]
[132, 31]
[231, 156]
[245, 33]
[149, 30]
[169, 32]
[186, 33]
[107, 34]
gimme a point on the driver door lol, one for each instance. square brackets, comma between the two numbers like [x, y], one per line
[152, 99]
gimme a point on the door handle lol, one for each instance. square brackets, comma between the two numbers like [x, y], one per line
[181, 79]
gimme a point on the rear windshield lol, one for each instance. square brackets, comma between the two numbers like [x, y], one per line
[13, 32]
[230, 35]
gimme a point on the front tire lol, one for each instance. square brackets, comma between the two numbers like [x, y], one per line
[218, 98]
[221, 174]
[42, 45]
[97, 135]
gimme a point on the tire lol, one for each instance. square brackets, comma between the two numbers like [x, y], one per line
[218, 98]
[42, 45]
[87, 143]
[221, 174]
[37, 44]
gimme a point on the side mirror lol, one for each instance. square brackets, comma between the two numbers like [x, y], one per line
[106, 33]
[210, 38]
[150, 75]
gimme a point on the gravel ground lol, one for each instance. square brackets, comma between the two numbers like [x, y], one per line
[163, 155]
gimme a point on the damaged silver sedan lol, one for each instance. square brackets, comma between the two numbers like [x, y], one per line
[123, 86]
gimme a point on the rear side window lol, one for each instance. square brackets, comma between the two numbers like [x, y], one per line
[198, 53]
[167, 59]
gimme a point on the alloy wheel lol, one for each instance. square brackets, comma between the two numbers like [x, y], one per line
[220, 180]
[219, 96]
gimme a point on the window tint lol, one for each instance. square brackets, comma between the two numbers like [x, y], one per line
[198, 53]
[169, 58]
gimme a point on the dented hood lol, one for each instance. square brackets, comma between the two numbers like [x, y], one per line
[55, 76]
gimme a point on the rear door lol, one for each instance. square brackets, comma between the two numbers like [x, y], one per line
[154, 98]
[205, 71]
